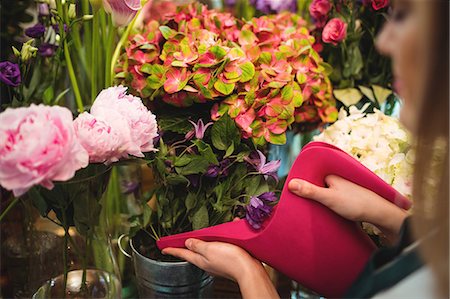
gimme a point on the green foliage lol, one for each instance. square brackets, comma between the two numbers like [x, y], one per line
[188, 196]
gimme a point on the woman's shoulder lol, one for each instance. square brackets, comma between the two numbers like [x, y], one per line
[388, 267]
[419, 284]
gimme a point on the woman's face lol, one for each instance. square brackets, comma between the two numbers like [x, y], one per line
[402, 39]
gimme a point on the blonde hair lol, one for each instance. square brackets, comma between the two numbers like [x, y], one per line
[431, 181]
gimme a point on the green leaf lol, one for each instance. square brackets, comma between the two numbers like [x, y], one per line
[256, 186]
[224, 133]
[167, 32]
[248, 71]
[218, 51]
[174, 179]
[229, 151]
[348, 96]
[224, 88]
[381, 93]
[206, 152]
[39, 202]
[328, 69]
[191, 201]
[201, 218]
[367, 92]
[197, 164]
[60, 96]
[176, 124]
[287, 93]
[278, 138]
[48, 95]
[265, 58]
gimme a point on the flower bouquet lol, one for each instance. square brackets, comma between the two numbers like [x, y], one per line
[379, 142]
[62, 166]
[344, 32]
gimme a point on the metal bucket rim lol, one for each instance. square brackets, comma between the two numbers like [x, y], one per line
[135, 251]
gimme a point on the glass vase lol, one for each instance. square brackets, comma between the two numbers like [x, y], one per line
[89, 264]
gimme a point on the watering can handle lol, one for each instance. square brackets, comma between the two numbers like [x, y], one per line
[119, 242]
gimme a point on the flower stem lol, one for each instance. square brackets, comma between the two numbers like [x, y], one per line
[66, 239]
[10, 206]
[122, 40]
[73, 78]
[94, 57]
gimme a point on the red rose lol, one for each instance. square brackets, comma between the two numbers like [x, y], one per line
[379, 4]
[334, 32]
[319, 10]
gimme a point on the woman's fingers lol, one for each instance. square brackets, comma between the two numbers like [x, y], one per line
[185, 254]
[306, 189]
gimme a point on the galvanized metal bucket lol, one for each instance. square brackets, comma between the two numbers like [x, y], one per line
[168, 279]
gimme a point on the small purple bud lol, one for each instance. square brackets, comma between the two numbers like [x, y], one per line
[43, 9]
[47, 50]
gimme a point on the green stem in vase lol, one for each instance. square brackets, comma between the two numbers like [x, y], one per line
[122, 40]
[94, 47]
[66, 238]
[83, 279]
[9, 207]
[73, 78]
[108, 48]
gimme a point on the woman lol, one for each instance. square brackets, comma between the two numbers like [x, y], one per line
[416, 38]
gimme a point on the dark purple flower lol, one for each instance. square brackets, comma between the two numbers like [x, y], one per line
[199, 129]
[47, 50]
[36, 31]
[43, 9]
[194, 179]
[214, 171]
[10, 73]
[259, 209]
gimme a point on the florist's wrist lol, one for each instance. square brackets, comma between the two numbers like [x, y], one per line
[390, 221]
[254, 282]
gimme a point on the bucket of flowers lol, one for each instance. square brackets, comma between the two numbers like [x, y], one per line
[222, 90]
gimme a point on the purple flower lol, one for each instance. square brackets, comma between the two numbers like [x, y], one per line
[214, 171]
[10, 73]
[267, 169]
[259, 209]
[199, 129]
[36, 31]
[130, 187]
[268, 6]
[47, 50]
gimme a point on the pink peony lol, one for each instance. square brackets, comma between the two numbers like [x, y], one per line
[334, 32]
[122, 11]
[319, 10]
[141, 122]
[105, 136]
[37, 146]
[379, 4]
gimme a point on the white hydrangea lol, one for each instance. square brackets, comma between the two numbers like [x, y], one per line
[379, 142]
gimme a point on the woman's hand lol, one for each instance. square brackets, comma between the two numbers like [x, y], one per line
[229, 261]
[353, 202]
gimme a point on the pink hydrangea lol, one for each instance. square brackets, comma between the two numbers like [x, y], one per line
[141, 122]
[38, 145]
